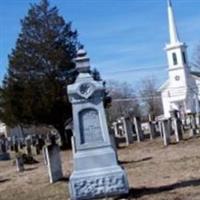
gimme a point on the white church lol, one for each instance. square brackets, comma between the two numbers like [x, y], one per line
[181, 90]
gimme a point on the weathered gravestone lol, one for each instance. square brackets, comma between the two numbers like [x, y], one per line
[20, 163]
[176, 125]
[152, 128]
[166, 131]
[4, 155]
[198, 119]
[96, 171]
[15, 144]
[128, 131]
[138, 129]
[160, 128]
[28, 145]
[36, 147]
[54, 166]
[115, 128]
[44, 155]
[193, 125]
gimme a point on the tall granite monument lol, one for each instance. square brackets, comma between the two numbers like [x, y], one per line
[96, 171]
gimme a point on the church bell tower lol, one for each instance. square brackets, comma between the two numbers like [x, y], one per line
[181, 85]
[176, 55]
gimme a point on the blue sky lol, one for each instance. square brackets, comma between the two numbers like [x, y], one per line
[125, 39]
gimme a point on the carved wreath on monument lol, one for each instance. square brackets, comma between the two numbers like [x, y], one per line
[86, 90]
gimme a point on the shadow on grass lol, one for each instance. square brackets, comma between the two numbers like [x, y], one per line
[139, 192]
[65, 179]
[192, 137]
[122, 147]
[30, 169]
[134, 161]
[4, 180]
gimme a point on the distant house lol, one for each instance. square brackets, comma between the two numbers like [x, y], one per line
[181, 90]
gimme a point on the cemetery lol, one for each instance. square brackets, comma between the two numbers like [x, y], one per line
[71, 147]
[146, 164]
[154, 172]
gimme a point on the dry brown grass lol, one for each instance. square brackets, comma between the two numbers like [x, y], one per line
[154, 172]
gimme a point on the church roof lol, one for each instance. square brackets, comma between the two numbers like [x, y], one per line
[164, 86]
[195, 73]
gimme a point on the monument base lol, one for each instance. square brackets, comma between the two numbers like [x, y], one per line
[97, 183]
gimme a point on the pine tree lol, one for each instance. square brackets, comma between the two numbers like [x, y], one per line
[40, 67]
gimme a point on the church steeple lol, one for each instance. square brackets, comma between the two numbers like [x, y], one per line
[173, 34]
[181, 90]
[176, 53]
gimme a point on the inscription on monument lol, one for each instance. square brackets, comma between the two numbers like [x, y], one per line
[99, 185]
[90, 128]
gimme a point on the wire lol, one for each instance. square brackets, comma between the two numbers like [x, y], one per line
[163, 67]
[153, 97]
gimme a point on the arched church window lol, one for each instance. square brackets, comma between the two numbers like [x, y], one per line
[175, 62]
[184, 57]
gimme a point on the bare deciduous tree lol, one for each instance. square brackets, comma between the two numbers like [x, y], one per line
[124, 100]
[150, 97]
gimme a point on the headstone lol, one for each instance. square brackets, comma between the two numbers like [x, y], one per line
[37, 146]
[21, 145]
[160, 128]
[138, 129]
[114, 142]
[115, 128]
[193, 129]
[16, 147]
[96, 171]
[177, 125]
[20, 164]
[166, 131]
[28, 146]
[152, 130]
[36, 150]
[128, 131]
[116, 133]
[198, 119]
[4, 155]
[11, 147]
[120, 127]
[53, 161]
[41, 142]
[44, 155]
[178, 129]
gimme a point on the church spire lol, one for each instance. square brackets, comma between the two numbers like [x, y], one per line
[174, 38]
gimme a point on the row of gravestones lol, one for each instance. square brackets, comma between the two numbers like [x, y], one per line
[51, 152]
[51, 155]
[191, 122]
[28, 145]
[123, 128]
[96, 171]
[127, 128]
[31, 147]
